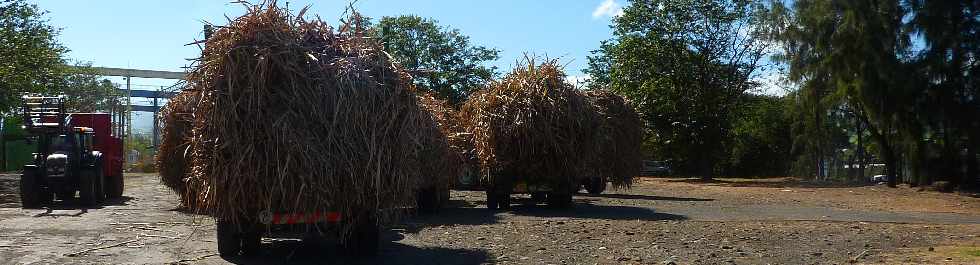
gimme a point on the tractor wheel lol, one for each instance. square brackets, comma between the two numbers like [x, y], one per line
[100, 194]
[229, 239]
[114, 186]
[365, 239]
[30, 190]
[596, 186]
[560, 200]
[87, 188]
[66, 196]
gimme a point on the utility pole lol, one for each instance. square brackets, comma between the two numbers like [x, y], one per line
[3, 145]
[128, 119]
[156, 112]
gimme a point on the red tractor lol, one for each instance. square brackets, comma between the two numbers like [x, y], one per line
[76, 153]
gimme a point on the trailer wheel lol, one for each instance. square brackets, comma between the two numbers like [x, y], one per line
[30, 190]
[87, 188]
[596, 186]
[428, 200]
[560, 200]
[229, 238]
[504, 200]
[492, 199]
[539, 197]
[365, 239]
[444, 196]
[252, 240]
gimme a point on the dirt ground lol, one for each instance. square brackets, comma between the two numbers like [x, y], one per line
[658, 221]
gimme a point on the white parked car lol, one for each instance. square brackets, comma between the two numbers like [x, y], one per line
[879, 178]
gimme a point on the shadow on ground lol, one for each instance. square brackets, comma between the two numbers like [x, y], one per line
[645, 197]
[10, 197]
[771, 183]
[584, 209]
[298, 252]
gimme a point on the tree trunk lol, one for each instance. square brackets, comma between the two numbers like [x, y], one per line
[925, 171]
[890, 162]
[971, 178]
[860, 151]
[3, 145]
[707, 165]
[885, 149]
[950, 157]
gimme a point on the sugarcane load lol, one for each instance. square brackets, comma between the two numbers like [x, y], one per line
[289, 121]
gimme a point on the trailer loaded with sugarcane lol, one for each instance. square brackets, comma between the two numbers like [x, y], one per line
[291, 128]
[534, 133]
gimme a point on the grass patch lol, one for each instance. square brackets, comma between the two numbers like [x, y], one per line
[971, 252]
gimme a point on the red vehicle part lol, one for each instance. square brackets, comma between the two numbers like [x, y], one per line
[298, 218]
[110, 146]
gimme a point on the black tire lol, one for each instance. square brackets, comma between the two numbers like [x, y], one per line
[252, 240]
[114, 187]
[47, 197]
[492, 203]
[30, 190]
[100, 194]
[596, 186]
[504, 200]
[444, 195]
[66, 196]
[539, 197]
[560, 200]
[428, 200]
[229, 238]
[365, 239]
[87, 188]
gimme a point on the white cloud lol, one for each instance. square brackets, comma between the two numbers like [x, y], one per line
[772, 81]
[578, 80]
[608, 8]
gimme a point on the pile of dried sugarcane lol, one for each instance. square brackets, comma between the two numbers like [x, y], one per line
[620, 137]
[173, 154]
[295, 116]
[444, 163]
[533, 125]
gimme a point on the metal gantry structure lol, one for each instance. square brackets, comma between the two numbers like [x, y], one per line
[124, 118]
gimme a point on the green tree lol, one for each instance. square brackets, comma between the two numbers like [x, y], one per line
[85, 90]
[686, 64]
[950, 31]
[761, 139]
[440, 59]
[31, 59]
[849, 52]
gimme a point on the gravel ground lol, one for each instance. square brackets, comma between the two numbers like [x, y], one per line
[658, 221]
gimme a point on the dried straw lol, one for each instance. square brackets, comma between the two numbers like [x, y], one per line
[295, 117]
[173, 154]
[532, 125]
[620, 136]
[443, 165]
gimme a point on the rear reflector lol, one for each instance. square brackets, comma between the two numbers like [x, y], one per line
[298, 218]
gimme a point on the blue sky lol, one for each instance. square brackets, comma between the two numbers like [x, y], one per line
[151, 34]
